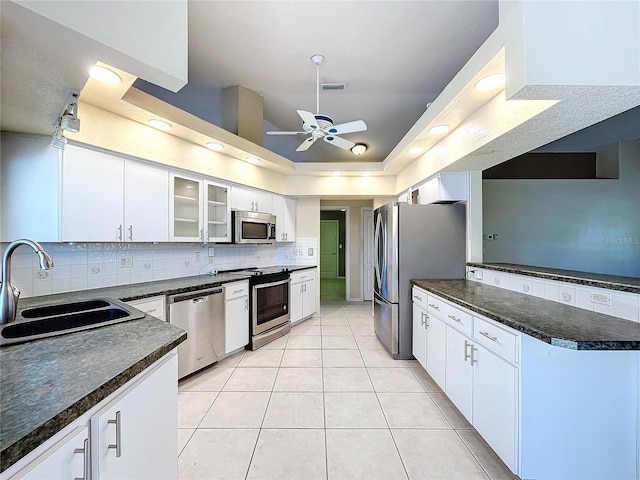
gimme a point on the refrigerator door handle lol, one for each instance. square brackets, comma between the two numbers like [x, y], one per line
[376, 241]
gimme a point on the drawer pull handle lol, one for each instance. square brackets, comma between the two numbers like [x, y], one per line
[417, 297]
[118, 445]
[490, 337]
[151, 311]
[86, 468]
[434, 306]
[453, 317]
[236, 291]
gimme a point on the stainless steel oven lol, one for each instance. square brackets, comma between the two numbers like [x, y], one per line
[269, 297]
[253, 227]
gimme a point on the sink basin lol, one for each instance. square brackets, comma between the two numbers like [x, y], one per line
[58, 319]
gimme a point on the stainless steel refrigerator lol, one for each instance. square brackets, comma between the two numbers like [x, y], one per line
[412, 241]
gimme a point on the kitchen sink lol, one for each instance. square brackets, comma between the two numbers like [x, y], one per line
[58, 319]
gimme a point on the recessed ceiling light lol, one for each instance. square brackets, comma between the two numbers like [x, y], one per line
[416, 150]
[359, 148]
[104, 75]
[366, 174]
[253, 160]
[335, 174]
[439, 129]
[490, 82]
[161, 124]
[213, 146]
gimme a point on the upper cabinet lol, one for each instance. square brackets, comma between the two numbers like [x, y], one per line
[447, 187]
[251, 200]
[110, 198]
[79, 194]
[199, 210]
[285, 211]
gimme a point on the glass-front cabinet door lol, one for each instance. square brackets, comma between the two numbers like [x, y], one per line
[185, 209]
[218, 212]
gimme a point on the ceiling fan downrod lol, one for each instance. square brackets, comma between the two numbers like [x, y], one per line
[317, 61]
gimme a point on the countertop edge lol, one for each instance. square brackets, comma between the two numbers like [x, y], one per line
[29, 442]
[569, 277]
[617, 345]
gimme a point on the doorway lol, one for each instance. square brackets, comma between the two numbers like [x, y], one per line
[332, 254]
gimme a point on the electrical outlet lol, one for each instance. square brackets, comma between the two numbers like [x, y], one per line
[478, 274]
[310, 252]
[126, 261]
[197, 256]
[210, 252]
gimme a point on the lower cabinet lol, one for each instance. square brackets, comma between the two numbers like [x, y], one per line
[459, 372]
[419, 342]
[236, 316]
[302, 294]
[154, 306]
[130, 434]
[436, 349]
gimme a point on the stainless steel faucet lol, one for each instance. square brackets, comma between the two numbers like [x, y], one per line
[9, 293]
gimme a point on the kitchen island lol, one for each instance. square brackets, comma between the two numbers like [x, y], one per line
[552, 388]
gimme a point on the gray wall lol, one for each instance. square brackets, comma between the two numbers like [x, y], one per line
[584, 225]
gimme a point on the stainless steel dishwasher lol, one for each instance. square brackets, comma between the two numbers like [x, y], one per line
[201, 314]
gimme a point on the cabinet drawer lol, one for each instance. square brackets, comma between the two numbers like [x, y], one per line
[302, 276]
[496, 339]
[153, 306]
[455, 317]
[235, 290]
[419, 297]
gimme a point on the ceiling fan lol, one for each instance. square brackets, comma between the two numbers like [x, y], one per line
[321, 126]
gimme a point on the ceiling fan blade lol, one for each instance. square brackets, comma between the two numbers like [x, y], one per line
[286, 133]
[306, 144]
[349, 127]
[339, 142]
[309, 119]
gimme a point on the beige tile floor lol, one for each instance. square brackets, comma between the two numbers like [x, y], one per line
[325, 402]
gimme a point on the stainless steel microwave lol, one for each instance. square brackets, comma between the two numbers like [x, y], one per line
[253, 227]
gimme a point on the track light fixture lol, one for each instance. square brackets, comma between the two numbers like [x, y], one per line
[67, 120]
[58, 140]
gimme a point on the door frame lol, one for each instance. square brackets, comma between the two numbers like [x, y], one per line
[365, 241]
[347, 253]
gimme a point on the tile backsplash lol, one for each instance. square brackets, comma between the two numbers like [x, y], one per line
[82, 266]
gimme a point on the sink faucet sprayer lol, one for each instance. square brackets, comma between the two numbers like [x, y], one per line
[9, 293]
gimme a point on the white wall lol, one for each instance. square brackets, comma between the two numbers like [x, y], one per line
[584, 225]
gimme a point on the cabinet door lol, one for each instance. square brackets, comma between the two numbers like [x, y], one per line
[458, 372]
[278, 211]
[236, 319]
[217, 210]
[419, 342]
[92, 196]
[309, 298]
[146, 202]
[64, 460]
[289, 220]
[296, 292]
[242, 199]
[494, 403]
[185, 209]
[436, 350]
[263, 201]
[146, 417]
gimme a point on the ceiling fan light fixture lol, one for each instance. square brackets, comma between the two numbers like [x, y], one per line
[359, 148]
[439, 129]
[416, 150]
[159, 124]
[213, 146]
[104, 75]
[490, 82]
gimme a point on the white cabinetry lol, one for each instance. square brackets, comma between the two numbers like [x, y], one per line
[429, 336]
[444, 188]
[436, 348]
[419, 341]
[110, 198]
[67, 459]
[302, 294]
[285, 211]
[459, 372]
[130, 434]
[199, 210]
[236, 315]
[154, 306]
[251, 200]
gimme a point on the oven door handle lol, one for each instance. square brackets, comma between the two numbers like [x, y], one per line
[272, 284]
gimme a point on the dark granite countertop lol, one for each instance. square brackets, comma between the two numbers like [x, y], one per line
[47, 384]
[613, 282]
[548, 321]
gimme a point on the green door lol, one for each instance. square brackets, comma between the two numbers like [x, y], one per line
[328, 248]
